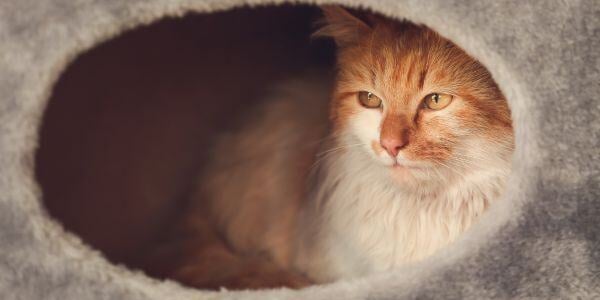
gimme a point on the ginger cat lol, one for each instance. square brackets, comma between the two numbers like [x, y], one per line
[417, 146]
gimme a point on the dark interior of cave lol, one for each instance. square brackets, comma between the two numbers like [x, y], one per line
[129, 122]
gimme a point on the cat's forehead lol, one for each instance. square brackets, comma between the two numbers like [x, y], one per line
[404, 64]
[417, 61]
[408, 72]
[414, 55]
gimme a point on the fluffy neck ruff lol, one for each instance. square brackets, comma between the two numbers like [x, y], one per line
[359, 220]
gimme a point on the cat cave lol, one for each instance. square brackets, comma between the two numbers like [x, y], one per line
[99, 130]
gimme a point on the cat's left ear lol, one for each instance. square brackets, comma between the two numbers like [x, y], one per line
[341, 25]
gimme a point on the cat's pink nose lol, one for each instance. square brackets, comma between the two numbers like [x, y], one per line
[393, 145]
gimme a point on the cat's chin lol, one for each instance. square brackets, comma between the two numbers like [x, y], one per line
[401, 164]
[402, 170]
[408, 174]
[405, 166]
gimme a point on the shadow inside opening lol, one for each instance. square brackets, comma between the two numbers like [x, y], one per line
[133, 123]
[130, 122]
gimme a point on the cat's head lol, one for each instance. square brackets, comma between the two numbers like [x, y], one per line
[415, 102]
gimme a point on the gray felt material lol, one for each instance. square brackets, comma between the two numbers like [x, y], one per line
[542, 241]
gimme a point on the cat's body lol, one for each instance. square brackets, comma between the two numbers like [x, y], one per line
[417, 146]
[255, 186]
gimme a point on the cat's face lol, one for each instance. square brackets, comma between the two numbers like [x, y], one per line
[416, 103]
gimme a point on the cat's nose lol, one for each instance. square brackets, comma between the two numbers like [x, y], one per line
[393, 145]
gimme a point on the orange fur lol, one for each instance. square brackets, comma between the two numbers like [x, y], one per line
[257, 211]
[446, 166]
[403, 62]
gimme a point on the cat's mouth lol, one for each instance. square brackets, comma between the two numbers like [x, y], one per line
[399, 162]
[402, 163]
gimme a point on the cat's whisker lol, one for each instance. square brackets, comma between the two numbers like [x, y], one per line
[454, 170]
[254, 156]
[463, 161]
[377, 215]
[330, 137]
[339, 148]
[322, 156]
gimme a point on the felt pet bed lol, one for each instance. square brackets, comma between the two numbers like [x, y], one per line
[541, 241]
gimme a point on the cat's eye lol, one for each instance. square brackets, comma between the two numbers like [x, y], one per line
[437, 101]
[369, 100]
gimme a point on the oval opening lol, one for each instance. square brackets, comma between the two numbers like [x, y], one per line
[133, 122]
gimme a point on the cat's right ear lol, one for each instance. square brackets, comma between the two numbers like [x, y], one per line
[341, 25]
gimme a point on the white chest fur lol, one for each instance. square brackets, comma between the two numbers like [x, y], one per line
[359, 221]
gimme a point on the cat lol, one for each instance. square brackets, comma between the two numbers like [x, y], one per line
[417, 146]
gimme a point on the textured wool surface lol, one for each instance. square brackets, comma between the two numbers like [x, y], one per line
[542, 241]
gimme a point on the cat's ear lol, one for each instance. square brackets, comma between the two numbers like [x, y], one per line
[341, 25]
